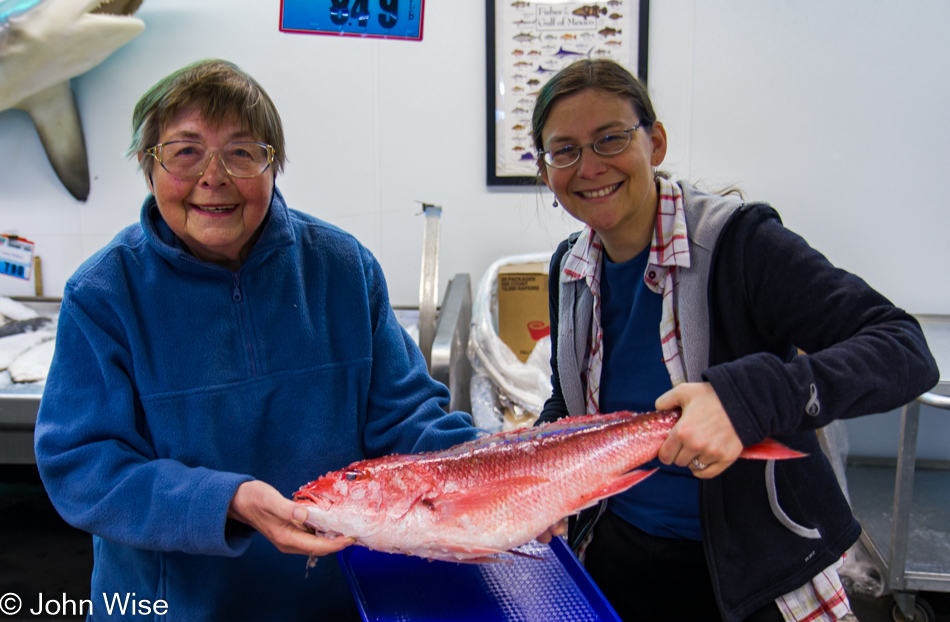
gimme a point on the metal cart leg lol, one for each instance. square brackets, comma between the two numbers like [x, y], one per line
[429, 286]
[903, 497]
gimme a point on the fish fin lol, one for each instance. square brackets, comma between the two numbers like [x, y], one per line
[527, 555]
[458, 548]
[481, 560]
[770, 449]
[620, 484]
[485, 552]
[56, 118]
[565, 425]
[452, 504]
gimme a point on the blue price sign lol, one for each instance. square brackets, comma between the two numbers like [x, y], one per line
[16, 256]
[385, 19]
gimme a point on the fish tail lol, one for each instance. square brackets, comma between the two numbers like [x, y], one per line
[770, 449]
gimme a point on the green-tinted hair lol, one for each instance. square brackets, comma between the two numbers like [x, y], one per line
[220, 91]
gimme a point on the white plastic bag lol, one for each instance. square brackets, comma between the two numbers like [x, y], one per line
[506, 393]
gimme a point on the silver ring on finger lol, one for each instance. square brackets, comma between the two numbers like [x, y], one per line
[699, 465]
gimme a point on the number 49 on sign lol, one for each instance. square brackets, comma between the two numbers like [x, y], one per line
[386, 19]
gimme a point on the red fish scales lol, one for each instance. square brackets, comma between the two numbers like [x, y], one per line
[489, 495]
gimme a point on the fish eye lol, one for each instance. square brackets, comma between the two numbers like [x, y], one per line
[353, 475]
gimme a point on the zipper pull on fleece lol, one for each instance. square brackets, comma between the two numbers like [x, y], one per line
[236, 294]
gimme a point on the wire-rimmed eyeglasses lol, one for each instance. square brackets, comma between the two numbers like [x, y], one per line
[609, 144]
[189, 159]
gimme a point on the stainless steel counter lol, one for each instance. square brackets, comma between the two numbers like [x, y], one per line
[19, 403]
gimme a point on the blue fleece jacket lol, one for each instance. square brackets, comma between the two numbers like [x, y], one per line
[175, 380]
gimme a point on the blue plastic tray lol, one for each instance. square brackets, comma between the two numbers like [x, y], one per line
[390, 587]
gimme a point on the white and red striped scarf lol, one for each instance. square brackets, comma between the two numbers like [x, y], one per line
[823, 599]
[669, 250]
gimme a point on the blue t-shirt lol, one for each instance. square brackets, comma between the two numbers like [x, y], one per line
[666, 504]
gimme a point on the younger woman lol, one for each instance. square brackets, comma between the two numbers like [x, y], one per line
[673, 298]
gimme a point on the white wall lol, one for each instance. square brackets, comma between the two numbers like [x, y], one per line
[831, 111]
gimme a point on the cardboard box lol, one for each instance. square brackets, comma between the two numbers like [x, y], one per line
[523, 307]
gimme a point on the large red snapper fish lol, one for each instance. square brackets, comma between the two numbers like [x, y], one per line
[493, 494]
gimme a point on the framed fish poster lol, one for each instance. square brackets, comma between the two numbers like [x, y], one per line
[381, 19]
[528, 42]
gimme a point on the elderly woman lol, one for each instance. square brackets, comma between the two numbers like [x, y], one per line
[670, 297]
[213, 358]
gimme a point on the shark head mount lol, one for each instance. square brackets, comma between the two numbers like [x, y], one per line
[43, 45]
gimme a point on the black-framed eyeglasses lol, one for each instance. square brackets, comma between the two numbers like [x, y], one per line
[609, 144]
[189, 159]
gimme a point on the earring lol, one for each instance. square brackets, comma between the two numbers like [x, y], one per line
[554, 205]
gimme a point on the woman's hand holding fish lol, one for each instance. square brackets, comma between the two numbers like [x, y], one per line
[704, 433]
[280, 520]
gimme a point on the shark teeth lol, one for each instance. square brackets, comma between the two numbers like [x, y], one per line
[122, 8]
[596, 194]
